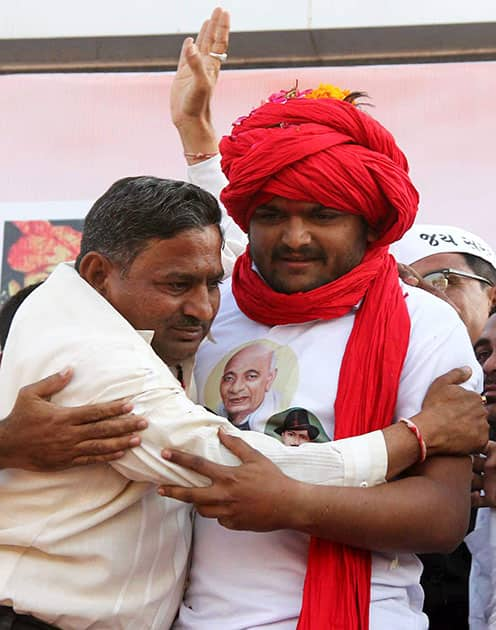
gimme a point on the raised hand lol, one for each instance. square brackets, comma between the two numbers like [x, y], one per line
[194, 84]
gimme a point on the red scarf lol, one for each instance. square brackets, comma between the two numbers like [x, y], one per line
[337, 584]
[336, 155]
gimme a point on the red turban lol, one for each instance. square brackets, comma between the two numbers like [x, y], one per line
[323, 150]
[328, 151]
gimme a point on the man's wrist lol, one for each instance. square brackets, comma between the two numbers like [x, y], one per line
[414, 429]
[291, 506]
[427, 425]
[402, 448]
[197, 137]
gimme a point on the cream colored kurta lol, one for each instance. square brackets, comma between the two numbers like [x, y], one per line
[95, 546]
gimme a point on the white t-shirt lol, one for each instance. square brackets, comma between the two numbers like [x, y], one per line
[243, 580]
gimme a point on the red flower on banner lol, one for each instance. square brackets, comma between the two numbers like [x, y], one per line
[41, 247]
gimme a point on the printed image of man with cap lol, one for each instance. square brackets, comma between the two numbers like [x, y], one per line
[460, 264]
[296, 428]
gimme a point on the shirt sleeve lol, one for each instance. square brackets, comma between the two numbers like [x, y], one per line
[439, 342]
[209, 176]
[176, 422]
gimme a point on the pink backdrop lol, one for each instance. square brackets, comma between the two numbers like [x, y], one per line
[65, 138]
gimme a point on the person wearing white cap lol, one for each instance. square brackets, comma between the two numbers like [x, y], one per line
[456, 262]
[462, 266]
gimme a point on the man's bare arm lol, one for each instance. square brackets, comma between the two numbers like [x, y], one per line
[41, 436]
[427, 511]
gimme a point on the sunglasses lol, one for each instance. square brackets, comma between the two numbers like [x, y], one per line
[441, 279]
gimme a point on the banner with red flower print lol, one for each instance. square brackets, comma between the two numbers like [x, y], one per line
[32, 249]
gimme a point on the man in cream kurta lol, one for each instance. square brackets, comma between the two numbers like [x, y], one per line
[95, 547]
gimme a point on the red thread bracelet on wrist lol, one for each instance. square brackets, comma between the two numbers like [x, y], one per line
[416, 432]
[201, 156]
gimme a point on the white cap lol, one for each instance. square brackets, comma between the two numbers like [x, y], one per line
[423, 240]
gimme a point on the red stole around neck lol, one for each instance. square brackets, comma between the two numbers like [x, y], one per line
[337, 584]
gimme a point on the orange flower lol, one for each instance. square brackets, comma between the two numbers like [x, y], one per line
[326, 90]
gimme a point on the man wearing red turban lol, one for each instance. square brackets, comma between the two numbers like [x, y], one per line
[322, 189]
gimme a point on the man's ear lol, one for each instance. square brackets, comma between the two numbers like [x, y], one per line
[492, 296]
[372, 235]
[96, 268]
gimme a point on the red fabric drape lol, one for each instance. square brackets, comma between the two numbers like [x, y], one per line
[332, 153]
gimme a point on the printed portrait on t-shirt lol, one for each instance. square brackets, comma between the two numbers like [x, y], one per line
[296, 426]
[256, 387]
[252, 383]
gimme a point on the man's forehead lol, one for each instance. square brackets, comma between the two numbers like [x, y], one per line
[293, 205]
[488, 335]
[441, 261]
[190, 251]
[188, 269]
[251, 353]
[285, 201]
[489, 332]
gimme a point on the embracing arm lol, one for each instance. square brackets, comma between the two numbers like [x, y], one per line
[391, 516]
[257, 496]
[176, 422]
[249, 499]
[41, 436]
[452, 420]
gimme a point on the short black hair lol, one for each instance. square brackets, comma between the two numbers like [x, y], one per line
[9, 309]
[137, 209]
[481, 268]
